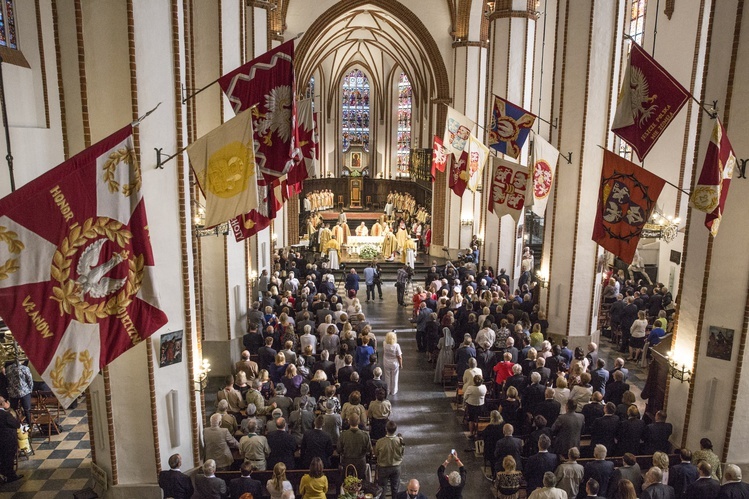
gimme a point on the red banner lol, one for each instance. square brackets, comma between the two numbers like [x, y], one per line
[649, 100]
[76, 284]
[626, 200]
[267, 84]
[459, 174]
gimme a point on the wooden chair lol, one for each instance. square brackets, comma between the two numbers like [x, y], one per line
[340, 202]
[449, 375]
[39, 418]
[50, 401]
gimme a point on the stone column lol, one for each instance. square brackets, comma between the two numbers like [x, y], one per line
[587, 35]
[512, 34]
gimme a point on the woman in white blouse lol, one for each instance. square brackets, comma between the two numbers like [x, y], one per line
[637, 332]
[392, 362]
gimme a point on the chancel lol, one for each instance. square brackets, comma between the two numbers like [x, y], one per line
[452, 248]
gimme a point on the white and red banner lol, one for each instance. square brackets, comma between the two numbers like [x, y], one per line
[478, 155]
[508, 189]
[544, 157]
[711, 191]
[76, 284]
[458, 129]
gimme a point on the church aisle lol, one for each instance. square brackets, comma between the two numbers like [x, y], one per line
[423, 413]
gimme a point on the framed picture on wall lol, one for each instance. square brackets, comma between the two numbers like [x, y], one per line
[355, 160]
[171, 348]
[720, 343]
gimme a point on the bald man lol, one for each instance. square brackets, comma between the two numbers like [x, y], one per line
[412, 491]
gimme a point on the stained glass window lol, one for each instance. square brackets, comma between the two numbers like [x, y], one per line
[404, 124]
[355, 110]
[637, 20]
[636, 31]
[8, 24]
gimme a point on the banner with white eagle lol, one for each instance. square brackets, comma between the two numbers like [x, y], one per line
[76, 284]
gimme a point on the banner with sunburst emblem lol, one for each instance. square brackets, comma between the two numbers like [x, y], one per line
[76, 286]
[224, 164]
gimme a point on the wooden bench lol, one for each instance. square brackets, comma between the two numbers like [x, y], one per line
[335, 479]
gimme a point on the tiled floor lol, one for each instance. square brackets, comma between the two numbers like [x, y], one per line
[57, 468]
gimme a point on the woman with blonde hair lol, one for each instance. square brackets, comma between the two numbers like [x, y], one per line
[392, 362]
[660, 459]
[507, 482]
[292, 380]
[318, 383]
[278, 368]
[278, 484]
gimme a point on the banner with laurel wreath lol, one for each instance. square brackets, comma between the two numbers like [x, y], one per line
[76, 286]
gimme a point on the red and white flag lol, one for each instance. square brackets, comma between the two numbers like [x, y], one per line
[649, 100]
[544, 157]
[308, 142]
[76, 283]
[267, 85]
[711, 191]
[459, 174]
[458, 129]
[508, 190]
[439, 155]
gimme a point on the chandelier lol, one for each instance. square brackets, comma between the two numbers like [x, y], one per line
[661, 226]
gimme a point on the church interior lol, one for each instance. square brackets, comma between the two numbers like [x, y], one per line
[380, 82]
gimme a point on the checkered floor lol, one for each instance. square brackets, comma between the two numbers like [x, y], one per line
[57, 468]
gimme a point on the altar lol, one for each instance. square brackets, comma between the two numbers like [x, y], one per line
[355, 244]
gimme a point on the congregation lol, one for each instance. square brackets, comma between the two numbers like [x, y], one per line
[310, 397]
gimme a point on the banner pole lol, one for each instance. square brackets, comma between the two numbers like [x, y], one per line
[9, 155]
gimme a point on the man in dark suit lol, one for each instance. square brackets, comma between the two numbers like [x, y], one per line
[733, 487]
[344, 373]
[682, 475]
[207, 485]
[656, 489]
[508, 446]
[618, 366]
[616, 389]
[544, 371]
[604, 429]
[173, 482]
[548, 408]
[282, 446]
[592, 410]
[540, 463]
[245, 483]
[655, 435]
[371, 387]
[512, 349]
[591, 489]
[266, 354]
[567, 429]
[326, 365]
[599, 470]
[316, 443]
[599, 377]
[412, 491]
[566, 353]
[630, 470]
[706, 487]
[534, 394]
